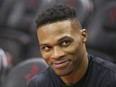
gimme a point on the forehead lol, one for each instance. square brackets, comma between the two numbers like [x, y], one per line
[60, 25]
[56, 30]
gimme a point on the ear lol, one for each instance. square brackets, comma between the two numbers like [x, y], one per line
[84, 35]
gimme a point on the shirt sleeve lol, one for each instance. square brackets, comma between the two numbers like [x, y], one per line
[40, 80]
[114, 81]
[109, 80]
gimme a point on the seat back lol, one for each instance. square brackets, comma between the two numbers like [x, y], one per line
[3, 65]
[102, 30]
[23, 72]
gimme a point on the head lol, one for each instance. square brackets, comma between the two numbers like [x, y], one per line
[61, 39]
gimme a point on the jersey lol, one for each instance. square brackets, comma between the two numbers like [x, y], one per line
[100, 73]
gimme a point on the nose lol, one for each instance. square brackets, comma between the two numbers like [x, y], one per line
[57, 53]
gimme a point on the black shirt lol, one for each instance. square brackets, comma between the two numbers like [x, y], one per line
[100, 73]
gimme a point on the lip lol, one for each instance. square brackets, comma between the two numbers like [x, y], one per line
[60, 64]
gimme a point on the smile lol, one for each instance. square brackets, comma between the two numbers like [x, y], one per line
[60, 64]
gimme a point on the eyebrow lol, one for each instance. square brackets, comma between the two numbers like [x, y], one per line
[59, 40]
[63, 38]
[41, 44]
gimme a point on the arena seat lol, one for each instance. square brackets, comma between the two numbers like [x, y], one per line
[14, 42]
[23, 72]
[100, 54]
[99, 3]
[3, 65]
[84, 9]
[102, 30]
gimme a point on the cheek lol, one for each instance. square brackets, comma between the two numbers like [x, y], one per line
[72, 49]
[45, 57]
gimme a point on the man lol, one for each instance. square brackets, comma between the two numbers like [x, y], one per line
[62, 45]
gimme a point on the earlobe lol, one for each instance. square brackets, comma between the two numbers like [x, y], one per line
[84, 35]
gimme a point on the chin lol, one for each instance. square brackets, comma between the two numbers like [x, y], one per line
[63, 72]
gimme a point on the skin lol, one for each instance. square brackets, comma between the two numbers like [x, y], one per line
[62, 45]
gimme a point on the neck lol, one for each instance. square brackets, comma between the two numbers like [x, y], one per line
[75, 76]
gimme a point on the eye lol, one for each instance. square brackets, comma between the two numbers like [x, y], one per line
[46, 48]
[66, 43]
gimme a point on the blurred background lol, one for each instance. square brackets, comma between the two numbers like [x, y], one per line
[19, 49]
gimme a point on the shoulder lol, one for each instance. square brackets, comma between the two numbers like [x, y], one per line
[104, 64]
[41, 79]
[104, 72]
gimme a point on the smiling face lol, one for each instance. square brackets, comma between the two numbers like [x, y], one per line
[62, 45]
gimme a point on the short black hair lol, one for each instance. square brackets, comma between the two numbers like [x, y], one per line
[57, 12]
